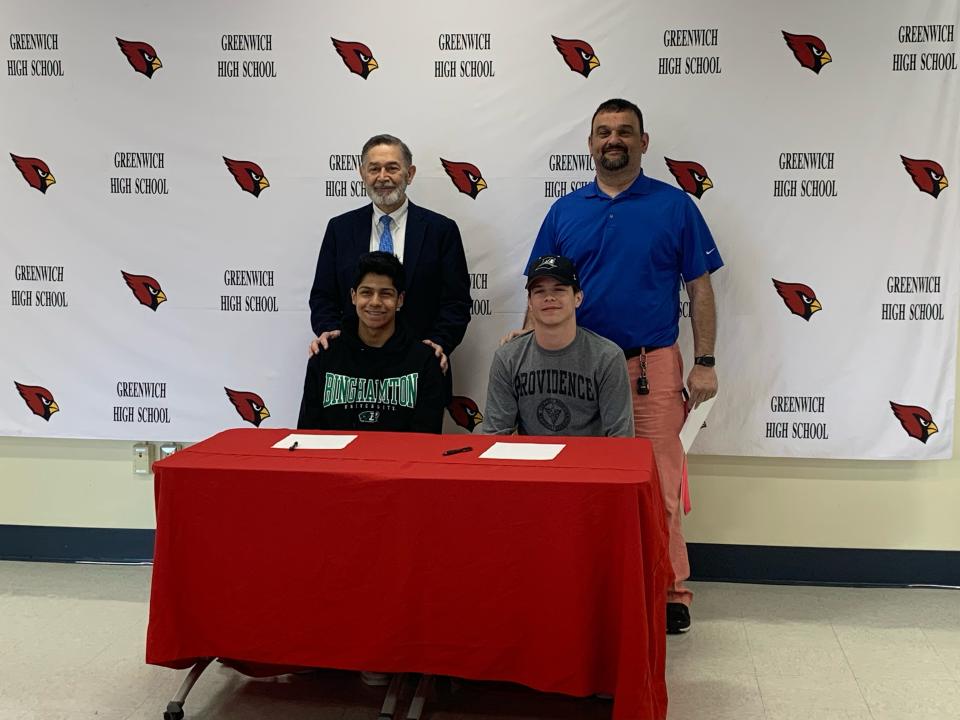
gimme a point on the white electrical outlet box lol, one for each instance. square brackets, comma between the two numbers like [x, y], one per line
[142, 458]
[167, 449]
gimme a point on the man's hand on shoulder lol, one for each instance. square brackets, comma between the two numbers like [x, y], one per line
[514, 334]
[701, 384]
[323, 341]
[438, 351]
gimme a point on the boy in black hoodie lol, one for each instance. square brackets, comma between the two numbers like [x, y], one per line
[375, 376]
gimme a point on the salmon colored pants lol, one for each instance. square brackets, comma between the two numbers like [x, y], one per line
[658, 417]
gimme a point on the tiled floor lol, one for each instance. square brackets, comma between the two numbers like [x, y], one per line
[72, 637]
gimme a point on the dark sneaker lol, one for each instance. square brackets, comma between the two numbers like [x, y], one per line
[678, 618]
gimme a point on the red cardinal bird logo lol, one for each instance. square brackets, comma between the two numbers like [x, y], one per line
[35, 171]
[799, 298]
[916, 420]
[356, 56]
[691, 176]
[249, 175]
[38, 399]
[145, 289]
[809, 50]
[466, 177]
[143, 58]
[465, 412]
[249, 405]
[577, 54]
[927, 175]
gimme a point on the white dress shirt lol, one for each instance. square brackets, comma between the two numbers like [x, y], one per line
[398, 228]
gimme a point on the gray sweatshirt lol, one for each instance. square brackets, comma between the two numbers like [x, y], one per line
[582, 389]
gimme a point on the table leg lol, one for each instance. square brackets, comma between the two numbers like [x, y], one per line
[389, 706]
[174, 709]
[420, 697]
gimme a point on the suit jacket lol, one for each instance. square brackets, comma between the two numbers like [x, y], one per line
[437, 303]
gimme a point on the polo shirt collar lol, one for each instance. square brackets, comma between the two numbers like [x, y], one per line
[640, 186]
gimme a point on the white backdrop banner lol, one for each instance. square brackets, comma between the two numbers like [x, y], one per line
[172, 167]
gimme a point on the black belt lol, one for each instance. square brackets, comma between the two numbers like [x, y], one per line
[643, 350]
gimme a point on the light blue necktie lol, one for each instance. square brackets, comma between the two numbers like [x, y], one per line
[386, 239]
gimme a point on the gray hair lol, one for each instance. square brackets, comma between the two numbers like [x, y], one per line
[385, 139]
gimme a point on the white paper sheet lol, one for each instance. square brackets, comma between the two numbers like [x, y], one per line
[316, 442]
[694, 421]
[522, 451]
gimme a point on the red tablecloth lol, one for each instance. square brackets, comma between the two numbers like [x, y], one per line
[388, 556]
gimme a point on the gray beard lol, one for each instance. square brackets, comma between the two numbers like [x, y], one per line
[613, 164]
[393, 197]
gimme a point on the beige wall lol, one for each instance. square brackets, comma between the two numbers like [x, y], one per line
[825, 503]
[752, 501]
[736, 500]
[79, 483]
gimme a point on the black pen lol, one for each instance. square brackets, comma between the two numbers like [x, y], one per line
[457, 451]
[294, 446]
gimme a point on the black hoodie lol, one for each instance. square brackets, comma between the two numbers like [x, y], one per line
[398, 387]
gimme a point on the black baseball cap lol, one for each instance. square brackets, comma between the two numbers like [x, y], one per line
[556, 266]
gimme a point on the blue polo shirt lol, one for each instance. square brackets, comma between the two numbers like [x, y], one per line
[630, 252]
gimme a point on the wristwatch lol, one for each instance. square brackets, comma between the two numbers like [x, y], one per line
[705, 360]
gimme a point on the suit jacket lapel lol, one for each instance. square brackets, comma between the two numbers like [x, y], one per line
[361, 233]
[413, 240]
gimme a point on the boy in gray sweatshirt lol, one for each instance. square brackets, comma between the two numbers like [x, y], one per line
[560, 379]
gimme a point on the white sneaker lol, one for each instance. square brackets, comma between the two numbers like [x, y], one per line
[375, 679]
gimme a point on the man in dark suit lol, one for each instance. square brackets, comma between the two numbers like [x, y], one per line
[437, 307]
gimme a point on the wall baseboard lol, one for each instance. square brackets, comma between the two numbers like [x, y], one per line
[75, 544]
[823, 566]
[709, 562]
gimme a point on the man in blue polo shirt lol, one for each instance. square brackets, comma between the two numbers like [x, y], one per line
[633, 239]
